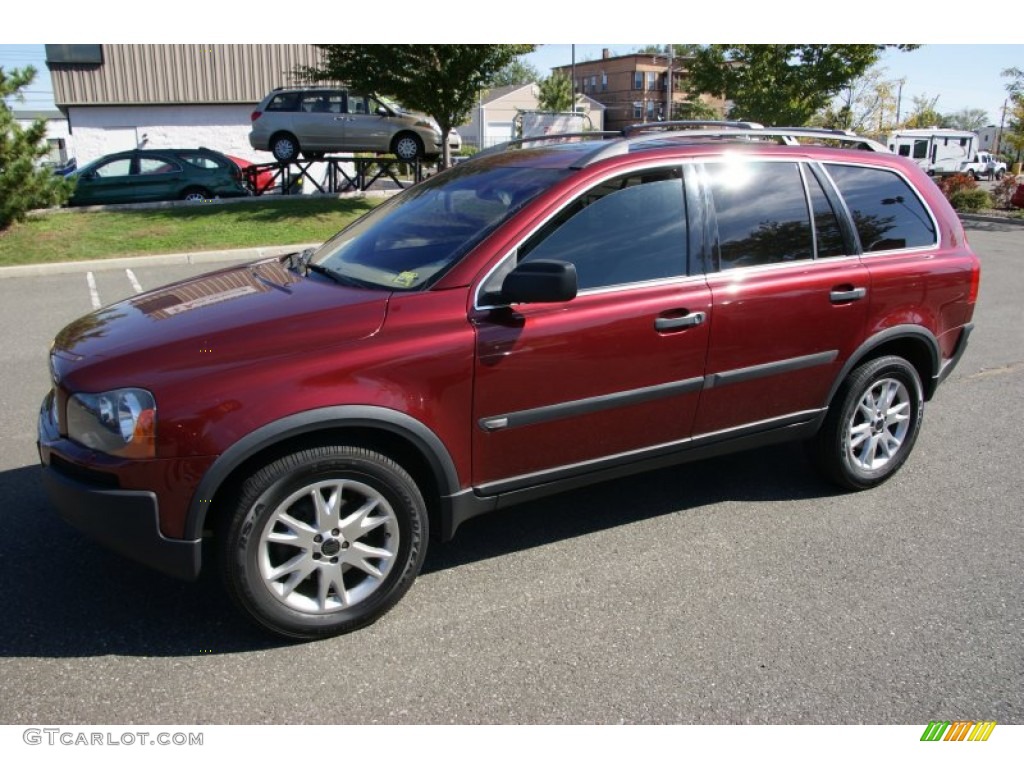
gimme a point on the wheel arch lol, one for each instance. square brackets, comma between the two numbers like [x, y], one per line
[915, 344]
[402, 438]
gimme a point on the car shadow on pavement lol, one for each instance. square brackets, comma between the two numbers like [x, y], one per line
[776, 473]
[66, 596]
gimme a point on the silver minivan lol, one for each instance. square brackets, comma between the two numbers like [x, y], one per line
[314, 121]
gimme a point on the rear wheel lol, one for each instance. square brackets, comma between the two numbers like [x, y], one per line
[871, 425]
[285, 147]
[324, 541]
[196, 195]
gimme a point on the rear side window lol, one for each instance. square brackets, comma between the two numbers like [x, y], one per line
[762, 213]
[284, 102]
[202, 161]
[887, 212]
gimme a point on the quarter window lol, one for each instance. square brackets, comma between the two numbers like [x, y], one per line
[762, 213]
[627, 230]
[886, 211]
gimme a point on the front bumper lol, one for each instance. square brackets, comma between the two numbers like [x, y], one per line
[126, 521]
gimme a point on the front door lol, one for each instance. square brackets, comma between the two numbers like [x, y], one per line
[562, 389]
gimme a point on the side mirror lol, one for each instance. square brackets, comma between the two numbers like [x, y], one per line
[541, 281]
[383, 112]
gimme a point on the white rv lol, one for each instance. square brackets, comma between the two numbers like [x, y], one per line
[938, 151]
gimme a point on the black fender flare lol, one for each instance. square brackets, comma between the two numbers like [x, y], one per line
[311, 422]
[895, 333]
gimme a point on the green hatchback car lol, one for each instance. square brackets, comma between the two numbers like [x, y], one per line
[147, 175]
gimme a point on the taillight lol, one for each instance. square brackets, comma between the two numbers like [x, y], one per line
[972, 295]
[255, 116]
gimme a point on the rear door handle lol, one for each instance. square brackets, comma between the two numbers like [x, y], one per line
[853, 294]
[675, 323]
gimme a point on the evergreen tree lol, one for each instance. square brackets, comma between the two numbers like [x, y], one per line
[23, 185]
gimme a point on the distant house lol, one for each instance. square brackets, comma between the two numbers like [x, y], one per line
[633, 88]
[494, 116]
[118, 97]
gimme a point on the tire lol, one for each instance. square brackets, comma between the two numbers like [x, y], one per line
[872, 424]
[972, 175]
[407, 147]
[998, 175]
[196, 195]
[324, 541]
[285, 147]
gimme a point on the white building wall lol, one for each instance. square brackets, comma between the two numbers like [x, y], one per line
[56, 130]
[99, 131]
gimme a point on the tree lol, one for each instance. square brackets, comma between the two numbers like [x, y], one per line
[967, 119]
[867, 105]
[779, 84]
[442, 81]
[555, 94]
[23, 185]
[1014, 133]
[516, 72]
[923, 113]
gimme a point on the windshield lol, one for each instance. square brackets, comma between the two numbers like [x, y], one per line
[411, 240]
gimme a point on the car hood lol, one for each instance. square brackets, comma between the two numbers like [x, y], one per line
[235, 316]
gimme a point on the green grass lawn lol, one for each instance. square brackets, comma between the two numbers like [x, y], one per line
[68, 236]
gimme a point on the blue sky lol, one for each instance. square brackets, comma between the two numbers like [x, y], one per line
[961, 75]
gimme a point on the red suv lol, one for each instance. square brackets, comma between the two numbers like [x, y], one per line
[533, 320]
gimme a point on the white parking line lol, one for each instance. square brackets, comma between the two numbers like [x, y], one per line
[134, 281]
[94, 295]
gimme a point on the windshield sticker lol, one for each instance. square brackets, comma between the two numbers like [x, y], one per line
[405, 279]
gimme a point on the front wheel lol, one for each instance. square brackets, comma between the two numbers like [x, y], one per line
[407, 147]
[324, 541]
[871, 425]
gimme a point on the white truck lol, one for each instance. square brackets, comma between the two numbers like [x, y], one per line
[939, 151]
[984, 165]
[540, 123]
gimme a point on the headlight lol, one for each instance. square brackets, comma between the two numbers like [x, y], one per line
[121, 422]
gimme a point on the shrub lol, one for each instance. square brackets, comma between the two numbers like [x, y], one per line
[951, 185]
[970, 199]
[1003, 191]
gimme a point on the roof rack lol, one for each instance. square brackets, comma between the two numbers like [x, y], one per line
[787, 136]
[727, 130]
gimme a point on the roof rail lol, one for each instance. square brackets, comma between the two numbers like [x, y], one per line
[549, 137]
[787, 136]
[726, 130]
[670, 125]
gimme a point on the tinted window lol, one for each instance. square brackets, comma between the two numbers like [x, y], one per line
[409, 241]
[920, 149]
[202, 161]
[157, 165]
[284, 102]
[626, 230]
[120, 167]
[886, 211]
[827, 231]
[762, 213]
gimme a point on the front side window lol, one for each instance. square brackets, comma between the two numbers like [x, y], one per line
[120, 167]
[762, 213]
[887, 212]
[627, 230]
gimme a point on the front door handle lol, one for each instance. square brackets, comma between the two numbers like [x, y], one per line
[838, 295]
[675, 323]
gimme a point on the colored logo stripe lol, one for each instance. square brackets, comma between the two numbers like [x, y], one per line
[958, 730]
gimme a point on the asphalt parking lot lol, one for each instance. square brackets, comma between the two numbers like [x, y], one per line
[735, 590]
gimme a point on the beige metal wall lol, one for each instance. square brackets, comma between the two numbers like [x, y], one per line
[180, 74]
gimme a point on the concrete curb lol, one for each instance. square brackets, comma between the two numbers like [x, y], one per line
[965, 217]
[160, 260]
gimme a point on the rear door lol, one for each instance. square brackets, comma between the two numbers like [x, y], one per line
[563, 389]
[789, 293]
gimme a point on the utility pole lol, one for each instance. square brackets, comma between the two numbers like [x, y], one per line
[572, 89]
[668, 84]
[999, 133]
